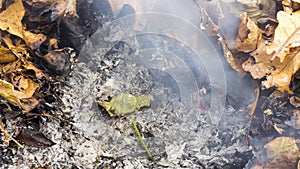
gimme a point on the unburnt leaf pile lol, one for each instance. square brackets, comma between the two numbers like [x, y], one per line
[275, 56]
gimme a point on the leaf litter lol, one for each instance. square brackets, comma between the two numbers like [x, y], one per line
[274, 51]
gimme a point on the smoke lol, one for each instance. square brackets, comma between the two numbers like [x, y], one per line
[157, 47]
[184, 9]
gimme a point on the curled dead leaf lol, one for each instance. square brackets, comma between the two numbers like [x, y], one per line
[248, 34]
[6, 55]
[22, 98]
[281, 78]
[38, 73]
[58, 61]
[11, 21]
[234, 62]
[278, 61]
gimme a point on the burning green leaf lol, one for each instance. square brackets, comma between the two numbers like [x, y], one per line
[125, 103]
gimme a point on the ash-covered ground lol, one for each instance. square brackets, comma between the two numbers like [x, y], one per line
[178, 132]
[181, 128]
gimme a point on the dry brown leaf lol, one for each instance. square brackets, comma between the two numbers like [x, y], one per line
[290, 5]
[283, 77]
[6, 55]
[20, 66]
[287, 6]
[278, 61]
[284, 160]
[18, 49]
[70, 10]
[280, 145]
[248, 34]
[34, 138]
[38, 73]
[22, 98]
[286, 35]
[234, 62]
[11, 21]
[277, 73]
[25, 85]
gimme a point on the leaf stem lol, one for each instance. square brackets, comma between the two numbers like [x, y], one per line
[140, 137]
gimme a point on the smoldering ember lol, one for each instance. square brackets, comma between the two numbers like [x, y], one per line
[92, 84]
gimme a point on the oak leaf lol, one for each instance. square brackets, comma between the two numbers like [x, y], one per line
[280, 60]
[286, 36]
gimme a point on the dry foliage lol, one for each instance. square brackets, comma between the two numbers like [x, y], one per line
[277, 59]
[283, 152]
[10, 21]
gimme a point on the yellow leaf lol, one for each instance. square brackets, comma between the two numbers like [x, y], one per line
[6, 55]
[38, 73]
[11, 21]
[25, 85]
[125, 103]
[281, 145]
[21, 98]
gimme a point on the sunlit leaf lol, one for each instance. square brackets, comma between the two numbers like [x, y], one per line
[280, 60]
[11, 21]
[286, 35]
[280, 145]
[125, 103]
[6, 55]
[22, 98]
[283, 152]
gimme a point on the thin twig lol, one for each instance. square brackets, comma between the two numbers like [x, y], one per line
[140, 137]
[7, 136]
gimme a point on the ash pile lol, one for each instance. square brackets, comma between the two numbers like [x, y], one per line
[188, 123]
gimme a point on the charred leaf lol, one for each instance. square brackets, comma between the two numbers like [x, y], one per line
[34, 138]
